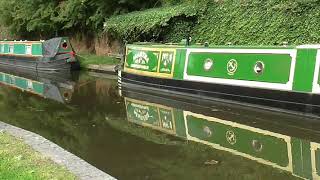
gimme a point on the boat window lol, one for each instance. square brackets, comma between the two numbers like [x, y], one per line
[28, 49]
[258, 67]
[208, 64]
[11, 49]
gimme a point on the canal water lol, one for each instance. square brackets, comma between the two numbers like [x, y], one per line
[143, 136]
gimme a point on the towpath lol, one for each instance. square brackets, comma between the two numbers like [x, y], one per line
[77, 166]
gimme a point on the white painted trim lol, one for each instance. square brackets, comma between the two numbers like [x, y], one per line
[119, 76]
[256, 84]
[287, 139]
[315, 85]
[241, 51]
[309, 46]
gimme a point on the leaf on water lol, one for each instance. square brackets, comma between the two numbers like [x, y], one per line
[211, 162]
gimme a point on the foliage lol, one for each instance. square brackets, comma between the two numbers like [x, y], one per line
[19, 161]
[5, 33]
[148, 24]
[178, 29]
[45, 17]
[258, 22]
[250, 22]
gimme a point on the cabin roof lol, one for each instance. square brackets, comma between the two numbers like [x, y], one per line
[180, 46]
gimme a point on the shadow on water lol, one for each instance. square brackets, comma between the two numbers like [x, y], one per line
[140, 136]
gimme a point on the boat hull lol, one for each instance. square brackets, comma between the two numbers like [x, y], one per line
[54, 54]
[262, 98]
[36, 64]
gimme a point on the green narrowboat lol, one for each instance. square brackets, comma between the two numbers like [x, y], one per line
[56, 86]
[264, 145]
[278, 78]
[55, 54]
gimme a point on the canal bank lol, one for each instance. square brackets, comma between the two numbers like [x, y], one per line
[101, 64]
[74, 164]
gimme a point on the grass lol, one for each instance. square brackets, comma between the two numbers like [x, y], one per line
[87, 59]
[20, 162]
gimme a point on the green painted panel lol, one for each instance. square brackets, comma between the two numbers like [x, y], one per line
[37, 49]
[179, 64]
[246, 141]
[318, 161]
[301, 158]
[166, 63]
[166, 118]
[156, 116]
[276, 66]
[21, 83]
[140, 113]
[180, 124]
[6, 48]
[303, 78]
[8, 79]
[143, 60]
[38, 87]
[19, 49]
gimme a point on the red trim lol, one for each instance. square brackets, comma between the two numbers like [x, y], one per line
[72, 53]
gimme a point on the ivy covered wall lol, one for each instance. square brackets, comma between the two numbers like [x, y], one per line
[241, 22]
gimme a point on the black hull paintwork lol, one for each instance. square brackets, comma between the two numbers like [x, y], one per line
[293, 102]
[35, 64]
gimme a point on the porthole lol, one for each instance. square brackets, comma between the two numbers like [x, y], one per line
[64, 45]
[258, 67]
[208, 64]
[67, 96]
[257, 146]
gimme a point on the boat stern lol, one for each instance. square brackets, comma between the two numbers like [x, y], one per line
[60, 51]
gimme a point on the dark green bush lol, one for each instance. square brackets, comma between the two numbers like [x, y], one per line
[148, 24]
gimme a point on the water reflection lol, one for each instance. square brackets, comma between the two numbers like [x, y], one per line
[55, 86]
[297, 156]
[140, 136]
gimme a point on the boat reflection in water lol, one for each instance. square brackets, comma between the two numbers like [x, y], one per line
[55, 86]
[252, 137]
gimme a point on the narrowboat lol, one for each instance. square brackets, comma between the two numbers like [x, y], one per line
[280, 78]
[261, 141]
[55, 86]
[55, 54]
